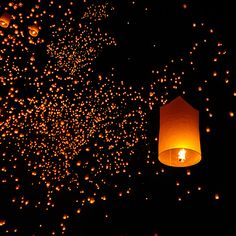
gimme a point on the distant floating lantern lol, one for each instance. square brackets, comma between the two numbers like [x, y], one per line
[217, 196]
[179, 138]
[5, 20]
[91, 200]
[2, 222]
[34, 30]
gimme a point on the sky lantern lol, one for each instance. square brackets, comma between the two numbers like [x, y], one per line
[179, 137]
[2, 222]
[5, 19]
[34, 30]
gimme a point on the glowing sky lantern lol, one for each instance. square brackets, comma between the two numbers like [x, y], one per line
[179, 138]
[2, 222]
[34, 30]
[5, 20]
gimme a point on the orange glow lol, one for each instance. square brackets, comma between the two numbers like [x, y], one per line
[5, 20]
[208, 130]
[185, 6]
[179, 134]
[2, 222]
[34, 30]
[92, 200]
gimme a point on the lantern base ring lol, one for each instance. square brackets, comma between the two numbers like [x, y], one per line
[171, 157]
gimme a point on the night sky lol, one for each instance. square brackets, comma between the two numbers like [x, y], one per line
[81, 86]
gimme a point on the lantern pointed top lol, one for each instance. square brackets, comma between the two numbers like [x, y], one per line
[179, 102]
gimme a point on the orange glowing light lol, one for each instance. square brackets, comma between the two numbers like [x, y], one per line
[5, 20]
[34, 30]
[2, 222]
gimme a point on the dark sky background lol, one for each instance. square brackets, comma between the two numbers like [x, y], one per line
[149, 34]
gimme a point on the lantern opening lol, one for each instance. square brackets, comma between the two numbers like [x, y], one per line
[179, 157]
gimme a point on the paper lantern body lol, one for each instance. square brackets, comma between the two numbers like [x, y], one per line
[34, 30]
[5, 20]
[179, 138]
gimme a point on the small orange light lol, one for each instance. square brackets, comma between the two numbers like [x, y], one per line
[217, 196]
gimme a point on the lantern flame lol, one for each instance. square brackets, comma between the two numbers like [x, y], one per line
[182, 155]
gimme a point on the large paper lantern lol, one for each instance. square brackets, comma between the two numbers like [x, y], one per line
[179, 137]
[5, 20]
